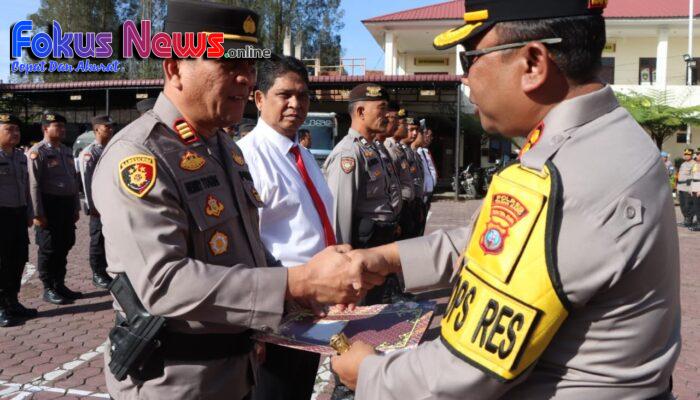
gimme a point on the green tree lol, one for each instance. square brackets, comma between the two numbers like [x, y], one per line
[657, 116]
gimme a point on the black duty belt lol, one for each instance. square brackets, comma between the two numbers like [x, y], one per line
[202, 347]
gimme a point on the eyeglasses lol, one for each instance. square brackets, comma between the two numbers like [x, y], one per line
[468, 58]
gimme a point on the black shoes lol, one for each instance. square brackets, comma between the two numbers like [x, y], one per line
[53, 297]
[101, 281]
[62, 290]
[18, 310]
[7, 319]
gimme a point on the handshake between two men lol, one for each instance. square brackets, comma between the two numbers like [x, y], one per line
[340, 275]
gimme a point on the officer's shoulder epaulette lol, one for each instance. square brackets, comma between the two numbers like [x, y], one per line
[139, 130]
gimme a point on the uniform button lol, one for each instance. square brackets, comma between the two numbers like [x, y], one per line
[557, 139]
[630, 212]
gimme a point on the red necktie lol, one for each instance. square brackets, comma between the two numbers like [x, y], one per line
[318, 203]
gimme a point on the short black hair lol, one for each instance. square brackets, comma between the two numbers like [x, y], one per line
[580, 51]
[272, 68]
[303, 133]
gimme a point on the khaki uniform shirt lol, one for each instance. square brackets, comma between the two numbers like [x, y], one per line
[190, 247]
[87, 160]
[622, 336]
[398, 154]
[51, 171]
[393, 171]
[14, 188]
[685, 176]
[695, 176]
[361, 188]
[416, 170]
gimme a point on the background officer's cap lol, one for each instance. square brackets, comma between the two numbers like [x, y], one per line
[7, 118]
[145, 105]
[48, 117]
[368, 92]
[481, 15]
[102, 120]
[411, 120]
[688, 152]
[239, 25]
[401, 114]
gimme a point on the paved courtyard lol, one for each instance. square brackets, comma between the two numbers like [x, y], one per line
[59, 354]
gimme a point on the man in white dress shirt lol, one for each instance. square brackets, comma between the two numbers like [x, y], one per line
[429, 172]
[295, 220]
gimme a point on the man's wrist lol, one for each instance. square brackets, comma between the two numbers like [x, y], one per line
[296, 282]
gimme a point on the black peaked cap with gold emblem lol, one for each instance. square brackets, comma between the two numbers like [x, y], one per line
[239, 25]
[48, 117]
[103, 119]
[368, 92]
[8, 118]
[481, 15]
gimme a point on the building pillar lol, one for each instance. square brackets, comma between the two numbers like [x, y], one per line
[662, 58]
[389, 53]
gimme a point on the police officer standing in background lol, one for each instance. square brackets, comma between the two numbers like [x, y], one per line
[359, 181]
[180, 219]
[102, 126]
[415, 167]
[567, 285]
[398, 155]
[695, 192]
[685, 195]
[392, 167]
[53, 185]
[16, 216]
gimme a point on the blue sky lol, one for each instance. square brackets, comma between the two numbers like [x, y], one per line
[356, 40]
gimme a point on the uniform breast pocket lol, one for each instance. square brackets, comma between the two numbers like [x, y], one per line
[252, 194]
[214, 215]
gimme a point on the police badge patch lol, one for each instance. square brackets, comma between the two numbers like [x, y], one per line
[191, 161]
[138, 174]
[214, 206]
[506, 211]
[218, 243]
[347, 164]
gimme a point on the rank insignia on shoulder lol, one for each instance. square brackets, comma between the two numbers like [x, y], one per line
[506, 211]
[214, 206]
[238, 158]
[191, 161]
[347, 164]
[138, 174]
[218, 243]
[184, 131]
[33, 155]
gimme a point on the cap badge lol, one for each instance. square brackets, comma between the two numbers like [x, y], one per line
[50, 117]
[374, 91]
[218, 243]
[138, 174]
[4, 118]
[191, 161]
[401, 113]
[214, 207]
[249, 25]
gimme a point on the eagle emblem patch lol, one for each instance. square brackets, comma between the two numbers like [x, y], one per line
[138, 174]
[191, 161]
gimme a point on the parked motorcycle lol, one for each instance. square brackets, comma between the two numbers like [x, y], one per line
[470, 182]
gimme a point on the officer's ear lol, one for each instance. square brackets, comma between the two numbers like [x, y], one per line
[360, 110]
[171, 71]
[535, 62]
[259, 98]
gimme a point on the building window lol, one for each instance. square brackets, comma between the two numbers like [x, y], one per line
[694, 70]
[647, 71]
[681, 136]
[607, 72]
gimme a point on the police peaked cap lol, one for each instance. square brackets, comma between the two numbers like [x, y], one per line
[49, 117]
[102, 120]
[368, 92]
[240, 26]
[8, 118]
[481, 15]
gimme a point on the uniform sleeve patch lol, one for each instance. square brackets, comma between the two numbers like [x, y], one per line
[138, 174]
[347, 164]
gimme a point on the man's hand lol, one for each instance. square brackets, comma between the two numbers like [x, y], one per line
[382, 260]
[347, 365]
[40, 221]
[330, 278]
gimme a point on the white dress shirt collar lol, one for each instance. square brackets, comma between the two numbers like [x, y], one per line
[282, 143]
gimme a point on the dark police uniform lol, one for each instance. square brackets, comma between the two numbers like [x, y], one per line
[87, 160]
[415, 167]
[180, 220]
[567, 282]
[695, 191]
[53, 185]
[15, 213]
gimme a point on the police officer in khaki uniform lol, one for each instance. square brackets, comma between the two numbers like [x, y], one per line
[415, 167]
[53, 185]
[685, 179]
[87, 160]
[16, 215]
[695, 192]
[180, 220]
[391, 165]
[398, 155]
[567, 282]
[357, 176]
